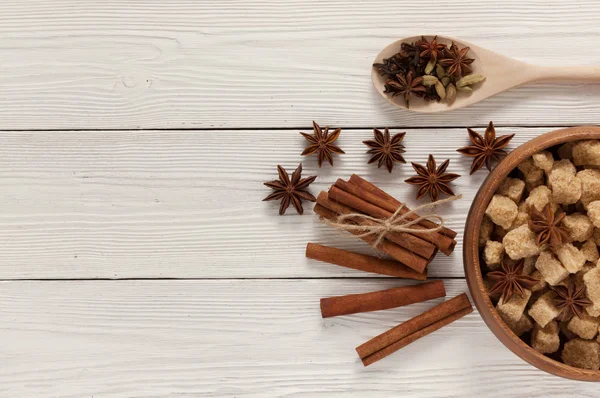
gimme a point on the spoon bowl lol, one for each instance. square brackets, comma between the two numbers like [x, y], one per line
[500, 71]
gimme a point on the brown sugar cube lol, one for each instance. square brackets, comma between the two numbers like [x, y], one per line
[550, 268]
[565, 151]
[579, 226]
[590, 251]
[502, 211]
[584, 354]
[521, 243]
[588, 266]
[543, 310]
[485, 231]
[493, 253]
[593, 212]
[530, 171]
[564, 330]
[585, 327]
[541, 285]
[523, 325]
[592, 283]
[512, 310]
[513, 188]
[566, 188]
[539, 197]
[590, 186]
[587, 153]
[545, 340]
[523, 207]
[570, 257]
[521, 219]
[531, 185]
[543, 160]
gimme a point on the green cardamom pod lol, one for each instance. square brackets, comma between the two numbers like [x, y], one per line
[429, 67]
[440, 71]
[445, 81]
[469, 80]
[465, 89]
[450, 94]
[440, 90]
[429, 80]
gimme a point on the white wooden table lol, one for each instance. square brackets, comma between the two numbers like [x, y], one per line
[137, 259]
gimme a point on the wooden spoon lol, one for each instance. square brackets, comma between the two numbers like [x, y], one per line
[501, 73]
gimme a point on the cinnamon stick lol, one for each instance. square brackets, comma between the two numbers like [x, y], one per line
[444, 243]
[391, 249]
[379, 197]
[361, 262]
[400, 253]
[394, 339]
[381, 300]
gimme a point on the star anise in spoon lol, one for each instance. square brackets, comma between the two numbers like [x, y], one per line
[572, 300]
[321, 142]
[430, 49]
[432, 179]
[546, 225]
[485, 149]
[290, 189]
[456, 61]
[386, 150]
[405, 86]
[510, 280]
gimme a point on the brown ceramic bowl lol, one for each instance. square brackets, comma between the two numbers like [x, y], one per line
[471, 251]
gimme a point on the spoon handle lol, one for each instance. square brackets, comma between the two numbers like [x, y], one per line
[568, 73]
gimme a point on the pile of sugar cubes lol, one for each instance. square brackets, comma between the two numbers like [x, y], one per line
[566, 177]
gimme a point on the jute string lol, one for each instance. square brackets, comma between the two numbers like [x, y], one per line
[395, 223]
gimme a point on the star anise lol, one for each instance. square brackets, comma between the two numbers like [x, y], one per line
[391, 66]
[321, 142]
[546, 225]
[406, 85]
[456, 61]
[431, 49]
[432, 180]
[290, 190]
[386, 150]
[572, 300]
[510, 280]
[485, 149]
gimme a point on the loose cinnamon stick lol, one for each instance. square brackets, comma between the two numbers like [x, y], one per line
[394, 339]
[387, 247]
[444, 243]
[404, 255]
[381, 300]
[379, 197]
[361, 262]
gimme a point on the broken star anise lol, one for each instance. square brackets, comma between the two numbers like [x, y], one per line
[572, 300]
[290, 189]
[430, 49]
[432, 179]
[321, 142]
[485, 149]
[405, 86]
[546, 225]
[510, 280]
[456, 61]
[386, 150]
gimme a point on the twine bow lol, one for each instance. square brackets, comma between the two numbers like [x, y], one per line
[397, 222]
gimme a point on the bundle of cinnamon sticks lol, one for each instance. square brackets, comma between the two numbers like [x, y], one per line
[410, 252]
[413, 249]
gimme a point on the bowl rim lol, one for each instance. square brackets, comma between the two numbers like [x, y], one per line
[472, 265]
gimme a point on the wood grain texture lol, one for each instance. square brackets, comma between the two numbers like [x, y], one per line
[190, 64]
[232, 338]
[187, 204]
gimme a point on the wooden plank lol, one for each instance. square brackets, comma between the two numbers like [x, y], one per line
[187, 204]
[184, 63]
[251, 338]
